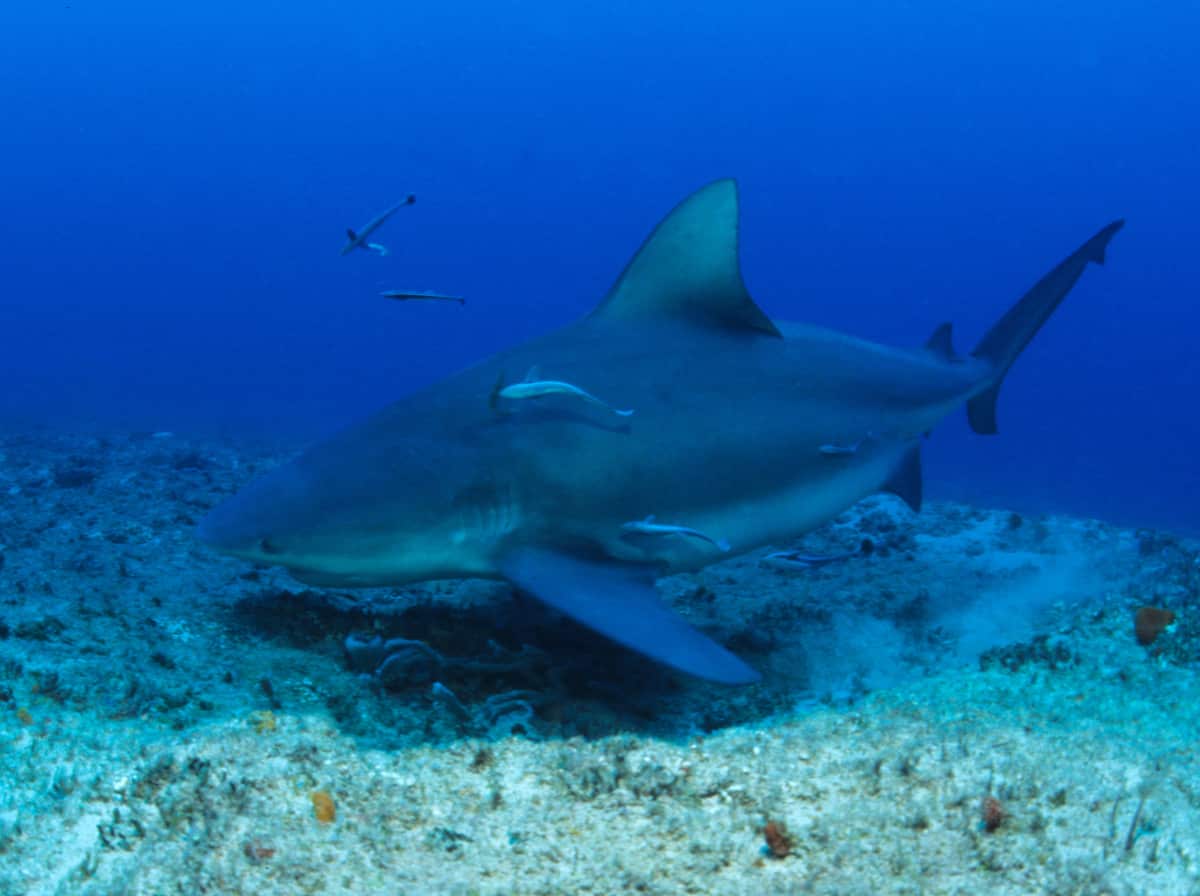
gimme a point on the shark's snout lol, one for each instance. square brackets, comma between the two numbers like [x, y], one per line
[255, 522]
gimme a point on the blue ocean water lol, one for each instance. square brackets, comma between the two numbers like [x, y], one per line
[177, 180]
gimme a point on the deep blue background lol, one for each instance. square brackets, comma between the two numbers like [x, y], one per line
[176, 182]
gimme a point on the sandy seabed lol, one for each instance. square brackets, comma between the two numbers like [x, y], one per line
[962, 708]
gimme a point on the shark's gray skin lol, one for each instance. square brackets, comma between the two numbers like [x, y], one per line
[732, 413]
[359, 239]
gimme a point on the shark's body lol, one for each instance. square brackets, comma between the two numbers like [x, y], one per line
[732, 417]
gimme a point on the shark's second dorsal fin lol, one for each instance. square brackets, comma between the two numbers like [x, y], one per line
[687, 269]
[941, 343]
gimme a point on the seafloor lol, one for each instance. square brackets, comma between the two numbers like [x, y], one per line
[962, 708]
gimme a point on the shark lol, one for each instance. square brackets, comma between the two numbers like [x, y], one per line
[734, 415]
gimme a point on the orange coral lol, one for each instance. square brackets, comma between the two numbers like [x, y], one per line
[993, 814]
[779, 841]
[257, 851]
[323, 806]
[1149, 623]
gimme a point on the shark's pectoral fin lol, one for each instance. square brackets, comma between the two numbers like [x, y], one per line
[688, 269]
[620, 603]
[906, 483]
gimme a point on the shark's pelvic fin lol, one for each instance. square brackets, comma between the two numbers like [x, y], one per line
[1006, 339]
[688, 269]
[621, 603]
[906, 482]
[941, 342]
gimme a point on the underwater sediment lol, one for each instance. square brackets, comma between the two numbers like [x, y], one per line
[972, 702]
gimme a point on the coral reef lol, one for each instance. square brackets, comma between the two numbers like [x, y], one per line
[963, 707]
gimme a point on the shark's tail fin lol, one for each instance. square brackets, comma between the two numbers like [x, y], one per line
[1009, 336]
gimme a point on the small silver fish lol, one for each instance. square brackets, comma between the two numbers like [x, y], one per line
[358, 240]
[404, 295]
[649, 527]
[797, 560]
[835, 450]
[542, 388]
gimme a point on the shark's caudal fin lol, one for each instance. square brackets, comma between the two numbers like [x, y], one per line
[1006, 339]
[687, 269]
[620, 604]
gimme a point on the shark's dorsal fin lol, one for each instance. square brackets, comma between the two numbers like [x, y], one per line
[687, 269]
[351, 234]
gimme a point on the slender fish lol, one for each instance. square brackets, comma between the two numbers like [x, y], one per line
[798, 560]
[405, 295]
[358, 240]
[836, 450]
[649, 527]
[543, 388]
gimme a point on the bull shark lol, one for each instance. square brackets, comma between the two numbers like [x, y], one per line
[733, 413]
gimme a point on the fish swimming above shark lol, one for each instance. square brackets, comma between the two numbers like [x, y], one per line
[412, 295]
[732, 412]
[358, 239]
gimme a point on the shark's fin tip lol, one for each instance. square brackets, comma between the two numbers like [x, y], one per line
[1099, 243]
[621, 603]
[906, 480]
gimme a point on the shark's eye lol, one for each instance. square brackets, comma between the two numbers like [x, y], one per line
[269, 547]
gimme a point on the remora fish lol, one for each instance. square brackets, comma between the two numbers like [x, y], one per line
[797, 560]
[836, 449]
[438, 485]
[358, 240]
[401, 295]
[542, 388]
[649, 527]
